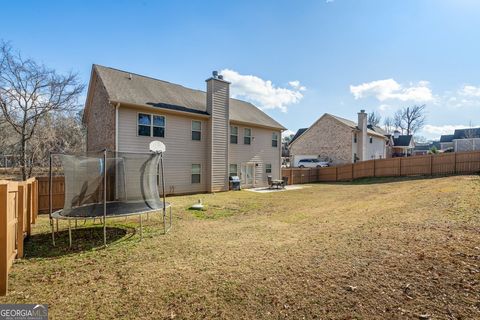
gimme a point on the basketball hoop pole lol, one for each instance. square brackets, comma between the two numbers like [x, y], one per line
[105, 198]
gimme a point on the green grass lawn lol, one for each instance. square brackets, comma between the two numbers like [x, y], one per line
[375, 249]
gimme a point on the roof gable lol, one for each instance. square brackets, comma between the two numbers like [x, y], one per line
[403, 141]
[140, 90]
[298, 134]
[466, 133]
[446, 138]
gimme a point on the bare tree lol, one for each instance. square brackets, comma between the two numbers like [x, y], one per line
[374, 119]
[28, 92]
[410, 120]
[388, 125]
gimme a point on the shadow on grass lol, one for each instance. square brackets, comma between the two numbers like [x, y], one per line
[83, 239]
[379, 180]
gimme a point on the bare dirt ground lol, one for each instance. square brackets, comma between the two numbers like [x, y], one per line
[372, 249]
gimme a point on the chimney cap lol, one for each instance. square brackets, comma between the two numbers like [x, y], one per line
[362, 111]
[215, 73]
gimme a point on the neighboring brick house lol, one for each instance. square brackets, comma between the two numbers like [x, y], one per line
[208, 135]
[340, 140]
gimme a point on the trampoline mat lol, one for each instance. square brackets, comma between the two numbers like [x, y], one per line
[114, 209]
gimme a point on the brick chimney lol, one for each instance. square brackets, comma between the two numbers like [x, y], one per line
[363, 137]
[218, 105]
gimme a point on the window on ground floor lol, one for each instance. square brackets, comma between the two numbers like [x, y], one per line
[233, 170]
[268, 168]
[196, 172]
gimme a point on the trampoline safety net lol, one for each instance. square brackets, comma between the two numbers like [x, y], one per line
[131, 184]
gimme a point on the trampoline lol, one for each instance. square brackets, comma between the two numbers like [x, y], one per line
[105, 184]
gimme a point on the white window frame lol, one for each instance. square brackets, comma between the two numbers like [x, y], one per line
[268, 166]
[152, 125]
[199, 174]
[200, 131]
[236, 135]
[276, 139]
[250, 136]
[230, 172]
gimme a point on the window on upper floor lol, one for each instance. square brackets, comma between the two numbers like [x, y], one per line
[233, 134]
[355, 138]
[247, 136]
[150, 125]
[196, 130]
[274, 139]
[371, 140]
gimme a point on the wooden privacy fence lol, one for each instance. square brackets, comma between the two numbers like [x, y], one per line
[18, 211]
[58, 193]
[427, 165]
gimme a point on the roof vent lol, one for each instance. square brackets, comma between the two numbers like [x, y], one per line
[215, 74]
[220, 77]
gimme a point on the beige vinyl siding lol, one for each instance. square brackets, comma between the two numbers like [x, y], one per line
[181, 150]
[218, 99]
[260, 152]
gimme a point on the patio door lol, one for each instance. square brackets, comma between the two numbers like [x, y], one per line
[248, 175]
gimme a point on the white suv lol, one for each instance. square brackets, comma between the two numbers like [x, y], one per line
[312, 163]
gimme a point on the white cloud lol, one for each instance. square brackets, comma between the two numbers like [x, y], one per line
[385, 107]
[389, 89]
[287, 133]
[439, 130]
[296, 85]
[470, 91]
[262, 92]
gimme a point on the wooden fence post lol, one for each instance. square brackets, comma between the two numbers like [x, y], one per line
[20, 218]
[431, 164]
[400, 166]
[336, 174]
[455, 162]
[374, 173]
[3, 238]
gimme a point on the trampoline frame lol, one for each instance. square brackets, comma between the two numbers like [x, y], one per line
[57, 214]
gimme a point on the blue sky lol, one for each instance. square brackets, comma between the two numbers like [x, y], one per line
[295, 59]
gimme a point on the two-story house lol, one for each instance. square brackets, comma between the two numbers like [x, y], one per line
[208, 135]
[340, 140]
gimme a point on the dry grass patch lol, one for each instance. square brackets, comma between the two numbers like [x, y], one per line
[385, 249]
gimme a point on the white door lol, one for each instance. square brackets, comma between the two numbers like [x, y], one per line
[248, 175]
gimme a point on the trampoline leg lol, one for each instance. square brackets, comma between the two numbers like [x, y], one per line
[53, 233]
[105, 232]
[141, 227]
[70, 233]
[164, 222]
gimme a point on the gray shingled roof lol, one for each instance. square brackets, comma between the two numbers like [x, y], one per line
[402, 141]
[298, 134]
[142, 90]
[446, 138]
[354, 125]
[466, 133]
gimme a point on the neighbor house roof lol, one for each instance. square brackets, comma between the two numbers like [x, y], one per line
[354, 125]
[130, 88]
[446, 138]
[466, 133]
[298, 134]
[402, 141]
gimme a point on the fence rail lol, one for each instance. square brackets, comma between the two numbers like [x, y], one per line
[18, 211]
[427, 165]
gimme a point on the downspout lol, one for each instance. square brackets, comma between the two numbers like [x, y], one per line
[117, 106]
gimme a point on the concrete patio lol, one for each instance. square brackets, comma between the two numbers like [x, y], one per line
[267, 189]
